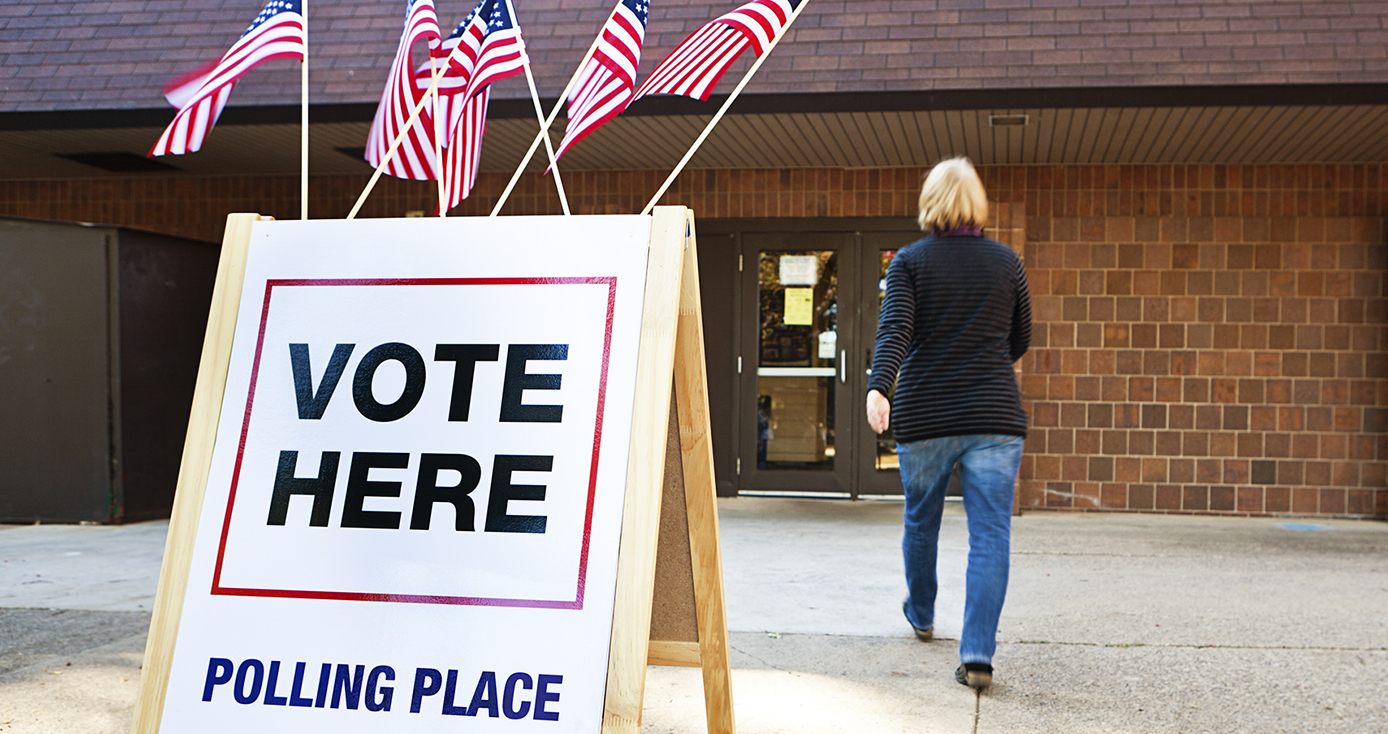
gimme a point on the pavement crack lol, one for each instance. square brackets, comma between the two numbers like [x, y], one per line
[1189, 646]
[1089, 554]
[737, 649]
[978, 708]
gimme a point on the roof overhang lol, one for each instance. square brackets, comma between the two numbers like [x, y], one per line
[1237, 124]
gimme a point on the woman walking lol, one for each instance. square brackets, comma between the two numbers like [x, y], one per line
[956, 315]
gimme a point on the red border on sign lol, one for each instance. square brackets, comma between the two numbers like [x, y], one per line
[577, 603]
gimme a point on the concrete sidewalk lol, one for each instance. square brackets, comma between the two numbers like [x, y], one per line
[1114, 623]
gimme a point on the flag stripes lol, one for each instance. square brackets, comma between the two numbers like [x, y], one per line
[277, 32]
[463, 156]
[502, 54]
[414, 159]
[462, 47]
[604, 88]
[694, 68]
[485, 48]
[761, 21]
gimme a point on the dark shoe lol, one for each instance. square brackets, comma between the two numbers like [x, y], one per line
[924, 635]
[974, 675]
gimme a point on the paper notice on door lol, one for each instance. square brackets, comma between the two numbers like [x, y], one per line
[799, 306]
[799, 270]
[828, 344]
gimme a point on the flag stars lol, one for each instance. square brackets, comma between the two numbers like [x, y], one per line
[271, 9]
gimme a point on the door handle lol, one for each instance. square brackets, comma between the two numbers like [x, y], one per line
[843, 366]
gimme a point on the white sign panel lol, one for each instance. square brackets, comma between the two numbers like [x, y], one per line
[799, 270]
[412, 517]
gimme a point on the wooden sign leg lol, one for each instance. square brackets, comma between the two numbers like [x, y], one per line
[696, 446]
[192, 474]
[631, 616]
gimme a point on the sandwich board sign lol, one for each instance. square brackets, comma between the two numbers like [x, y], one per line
[423, 482]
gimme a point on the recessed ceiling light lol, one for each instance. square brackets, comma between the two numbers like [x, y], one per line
[1008, 120]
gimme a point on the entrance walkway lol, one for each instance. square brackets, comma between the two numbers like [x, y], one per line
[1114, 624]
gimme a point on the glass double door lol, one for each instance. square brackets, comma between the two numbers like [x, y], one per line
[808, 320]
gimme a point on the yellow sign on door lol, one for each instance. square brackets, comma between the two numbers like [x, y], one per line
[799, 306]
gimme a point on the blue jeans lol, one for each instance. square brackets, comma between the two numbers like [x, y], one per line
[988, 469]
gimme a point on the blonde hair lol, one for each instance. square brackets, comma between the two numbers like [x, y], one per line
[952, 196]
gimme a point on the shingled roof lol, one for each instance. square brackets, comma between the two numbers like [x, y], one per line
[69, 56]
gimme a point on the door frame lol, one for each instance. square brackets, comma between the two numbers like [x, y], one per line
[868, 480]
[839, 478]
[851, 426]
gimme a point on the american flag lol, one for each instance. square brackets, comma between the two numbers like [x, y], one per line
[695, 66]
[502, 54]
[460, 160]
[605, 85]
[414, 159]
[462, 48]
[486, 47]
[277, 32]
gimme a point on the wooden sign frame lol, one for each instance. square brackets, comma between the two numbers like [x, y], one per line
[675, 566]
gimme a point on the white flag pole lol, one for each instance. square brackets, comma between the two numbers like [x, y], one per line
[540, 115]
[303, 121]
[709, 128]
[544, 127]
[438, 137]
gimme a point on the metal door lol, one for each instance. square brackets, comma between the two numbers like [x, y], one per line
[799, 402]
[877, 471]
[876, 467]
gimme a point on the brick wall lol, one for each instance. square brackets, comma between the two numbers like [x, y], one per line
[1207, 338]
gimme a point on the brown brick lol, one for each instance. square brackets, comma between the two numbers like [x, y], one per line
[1222, 499]
[1154, 416]
[1195, 498]
[1332, 502]
[1088, 335]
[1250, 499]
[1168, 497]
[1348, 419]
[1141, 497]
[1185, 256]
[1305, 500]
[1073, 468]
[1140, 443]
[1195, 443]
[1100, 469]
[1235, 418]
[1087, 442]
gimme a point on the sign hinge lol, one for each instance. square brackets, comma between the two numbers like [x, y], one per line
[739, 364]
[739, 466]
[739, 262]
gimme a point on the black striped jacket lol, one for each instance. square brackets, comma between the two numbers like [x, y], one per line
[956, 315]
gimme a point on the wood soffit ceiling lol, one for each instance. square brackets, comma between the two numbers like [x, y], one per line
[793, 139]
